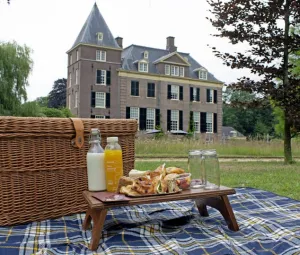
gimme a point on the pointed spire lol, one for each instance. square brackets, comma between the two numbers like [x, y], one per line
[94, 25]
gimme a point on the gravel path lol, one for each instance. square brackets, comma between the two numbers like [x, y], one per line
[235, 159]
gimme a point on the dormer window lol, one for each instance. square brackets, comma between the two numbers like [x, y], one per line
[202, 74]
[143, 66]
[100, 36]
[146, 55]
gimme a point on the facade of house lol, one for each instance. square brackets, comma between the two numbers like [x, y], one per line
[158, 87]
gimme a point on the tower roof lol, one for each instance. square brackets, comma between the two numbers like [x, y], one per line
[95, 24]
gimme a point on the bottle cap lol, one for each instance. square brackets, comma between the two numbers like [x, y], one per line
[112, 139]
[209, 152]
[195, 152]
[95, 131]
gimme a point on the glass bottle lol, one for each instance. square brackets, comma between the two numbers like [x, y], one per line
[212, 169]
[95, 163]
[195, 168]
[113, 163]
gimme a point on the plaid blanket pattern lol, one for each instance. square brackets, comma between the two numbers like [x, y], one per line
[269, 224]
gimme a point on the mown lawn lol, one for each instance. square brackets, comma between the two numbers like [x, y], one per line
[272, 176]
[180, 148]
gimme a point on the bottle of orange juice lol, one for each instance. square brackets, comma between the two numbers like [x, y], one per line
[113, 164]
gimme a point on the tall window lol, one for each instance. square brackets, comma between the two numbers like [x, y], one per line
[77, 55]
[143, 67]
[174, 70]
[194, 94]
[135, 88]
[76, 99]
[76, 76]
[135, 113]
[101, 77]
[203, 75]
[101, 55]
[174, 92]
[210, 95]
[181, 71]
[100, 100]
[70, 105]
[151, 90]
[174, 120]
[167, 69]
[209, 122]
[196, 116]
[70, 79]
[150, 121]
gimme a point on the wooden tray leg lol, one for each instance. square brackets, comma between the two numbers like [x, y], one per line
[98, 217]
[222, 204]
[87, 220]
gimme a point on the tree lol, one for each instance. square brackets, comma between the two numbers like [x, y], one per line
[57, 96]
[15, 67]
[42, 101]
[267, 27]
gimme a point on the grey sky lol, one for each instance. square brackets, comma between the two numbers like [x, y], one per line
[50, 27]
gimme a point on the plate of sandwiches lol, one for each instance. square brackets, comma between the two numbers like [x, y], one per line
[161, 181]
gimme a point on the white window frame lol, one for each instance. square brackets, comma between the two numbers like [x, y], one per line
[150, 119]
[143, 66]
[174, 70]
[100, 96]
[181, 71]
[194, 94]
[101, 55]
[102, 77]
[167, 69]
[196, 118]
[211, 96]
[99, 117]
[70, 79]
[174, 120]
[202, 74]
[77, 55]
[174, 92]
[76, 99]
[146, 55]
[100, 36]
[135, 113]
[76, 76]
[209, 125]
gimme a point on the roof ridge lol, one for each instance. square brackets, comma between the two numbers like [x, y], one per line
[142, 46]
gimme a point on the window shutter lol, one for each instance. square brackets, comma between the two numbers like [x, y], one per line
[108, 77]
[215, 123]
[127, 112]
[107, 100]
[142, 121]
[132, 88]
[157, 117]
[181, 93]
[203, 122]
[191, 94]
[137, 88]
[215, 96]
[98, 76]
[92, 116]
[169, 92]
[169, 120]
[180, 120]
[93, 99]
[198, 94]
[207, 95]
[107, 117]
[148, 90]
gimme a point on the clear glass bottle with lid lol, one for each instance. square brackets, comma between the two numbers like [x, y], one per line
[212, 169]
[95, 163]
[196, 169]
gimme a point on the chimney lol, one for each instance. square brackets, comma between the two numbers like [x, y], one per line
[119, 41]
[171, 44]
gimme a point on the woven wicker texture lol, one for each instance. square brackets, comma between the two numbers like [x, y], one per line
[42, 175]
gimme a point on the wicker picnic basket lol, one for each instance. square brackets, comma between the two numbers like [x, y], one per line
[43, 164]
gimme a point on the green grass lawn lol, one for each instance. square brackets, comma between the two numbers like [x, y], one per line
[180, 148]
[272, 176]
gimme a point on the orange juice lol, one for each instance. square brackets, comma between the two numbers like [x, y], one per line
[113, 164]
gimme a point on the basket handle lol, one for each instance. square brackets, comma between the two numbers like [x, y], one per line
[78, 141]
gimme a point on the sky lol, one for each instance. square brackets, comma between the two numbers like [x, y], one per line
[50, 27]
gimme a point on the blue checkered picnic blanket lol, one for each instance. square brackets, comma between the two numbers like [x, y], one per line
[269, 224]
